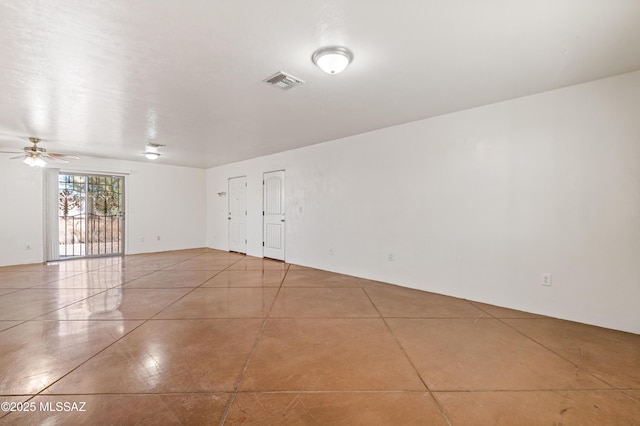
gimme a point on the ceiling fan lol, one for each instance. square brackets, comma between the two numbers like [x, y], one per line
[36, 156]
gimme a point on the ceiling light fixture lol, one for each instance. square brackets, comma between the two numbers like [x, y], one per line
[332, 59]
[151, 151]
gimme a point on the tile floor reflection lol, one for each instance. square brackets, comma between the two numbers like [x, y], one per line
[208, 337]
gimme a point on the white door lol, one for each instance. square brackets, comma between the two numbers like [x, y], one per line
[238, 214]
[273, 215]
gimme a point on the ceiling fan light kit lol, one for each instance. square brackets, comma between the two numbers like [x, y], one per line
[34, 160]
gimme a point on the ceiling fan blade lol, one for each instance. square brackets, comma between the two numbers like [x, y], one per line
[16, 157]
[2, 151]
[48, 157]
[64, 156]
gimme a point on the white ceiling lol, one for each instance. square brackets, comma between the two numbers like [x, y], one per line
[103, 77]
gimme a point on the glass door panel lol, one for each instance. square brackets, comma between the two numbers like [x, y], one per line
[91, 215]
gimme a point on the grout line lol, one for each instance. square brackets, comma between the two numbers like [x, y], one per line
[90, 358]
[20, 322]
[104, 290]
[106, 347]
[627, 392]
[384, 320]
[232, 398]
[153, 317]
[589, 372]
[523, 390]
[214, 275]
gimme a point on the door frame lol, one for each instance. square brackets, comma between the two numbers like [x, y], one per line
[124, 203]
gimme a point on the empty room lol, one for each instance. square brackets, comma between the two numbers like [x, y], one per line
[335, 212]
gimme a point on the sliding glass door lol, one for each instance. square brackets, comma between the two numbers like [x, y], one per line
[90, 215]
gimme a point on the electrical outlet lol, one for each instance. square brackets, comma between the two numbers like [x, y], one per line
[545, 279]
[158, 238]
[141, 239]
[332, 252]
[391, 257]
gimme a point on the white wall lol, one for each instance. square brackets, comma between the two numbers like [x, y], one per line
[475, 204]
[165, 201]
[21, 212]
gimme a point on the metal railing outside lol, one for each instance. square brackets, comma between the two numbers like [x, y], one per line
[90, 235]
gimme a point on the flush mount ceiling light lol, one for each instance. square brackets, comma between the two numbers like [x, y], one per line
[152, 151]
[332, 59]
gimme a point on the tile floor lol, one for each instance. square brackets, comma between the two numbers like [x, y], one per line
[208, 337]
